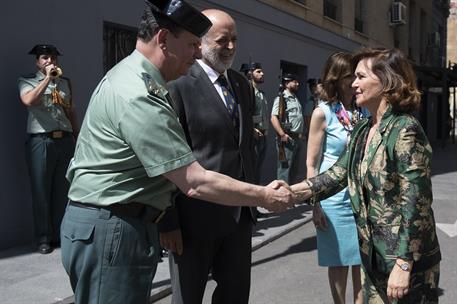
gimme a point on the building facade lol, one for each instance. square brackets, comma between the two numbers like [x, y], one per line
[284, 35]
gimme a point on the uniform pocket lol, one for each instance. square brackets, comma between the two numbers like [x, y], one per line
[77, 231]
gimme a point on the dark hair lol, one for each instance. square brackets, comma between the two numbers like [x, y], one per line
[397, 77]
[338, 66]
[151, 22]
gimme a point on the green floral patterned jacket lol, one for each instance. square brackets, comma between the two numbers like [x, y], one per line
[391, 192]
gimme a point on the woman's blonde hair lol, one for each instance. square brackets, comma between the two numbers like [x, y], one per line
[396, 75]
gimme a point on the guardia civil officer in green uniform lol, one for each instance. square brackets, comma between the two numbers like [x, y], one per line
[51, 129]
[255, 75]
[291, 131]
[130, 154]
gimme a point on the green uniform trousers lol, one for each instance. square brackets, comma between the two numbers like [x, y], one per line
[109, 259]
[289, 172]
[48, 159]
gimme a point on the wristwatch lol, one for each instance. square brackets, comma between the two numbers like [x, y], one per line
[404, 266]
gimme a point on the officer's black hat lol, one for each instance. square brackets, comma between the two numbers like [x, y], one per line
[245, 67]
[313, 81]
[289, 77]
[44, 49]
[183, 14]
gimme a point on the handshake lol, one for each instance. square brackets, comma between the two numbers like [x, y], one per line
[280, 196]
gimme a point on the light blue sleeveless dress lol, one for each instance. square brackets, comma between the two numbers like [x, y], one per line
[338, 245]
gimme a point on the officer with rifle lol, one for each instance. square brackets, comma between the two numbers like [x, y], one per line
[287, 120]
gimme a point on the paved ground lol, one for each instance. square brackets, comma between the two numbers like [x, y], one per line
[29, 277]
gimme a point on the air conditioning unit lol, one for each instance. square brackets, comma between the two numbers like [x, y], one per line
[434, 39]
[397, 13]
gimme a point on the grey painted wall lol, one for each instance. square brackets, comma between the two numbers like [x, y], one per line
[76, 28]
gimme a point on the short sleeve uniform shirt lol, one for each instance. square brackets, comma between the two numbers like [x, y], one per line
[46, 116]
[129, 138]
[293, 111]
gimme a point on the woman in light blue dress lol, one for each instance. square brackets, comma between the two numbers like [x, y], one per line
[331, 124]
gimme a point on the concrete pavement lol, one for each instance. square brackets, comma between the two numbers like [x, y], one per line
[29, 277]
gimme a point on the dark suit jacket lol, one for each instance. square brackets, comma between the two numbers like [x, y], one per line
[211, 135]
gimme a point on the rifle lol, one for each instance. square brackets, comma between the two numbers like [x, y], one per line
[282, 119]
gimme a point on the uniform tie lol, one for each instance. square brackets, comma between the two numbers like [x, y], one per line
[232, 106]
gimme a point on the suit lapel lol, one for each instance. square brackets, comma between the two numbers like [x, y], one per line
[210, 96]
[377, 141]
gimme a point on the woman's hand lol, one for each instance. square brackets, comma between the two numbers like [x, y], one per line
[398, 283]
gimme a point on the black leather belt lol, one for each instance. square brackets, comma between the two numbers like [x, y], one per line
[53, 134]
[135, 210]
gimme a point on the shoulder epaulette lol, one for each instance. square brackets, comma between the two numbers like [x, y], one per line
[152, 86]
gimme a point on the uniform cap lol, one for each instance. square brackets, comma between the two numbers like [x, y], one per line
[245, 67]
[44, 49]
[289, 77]
[183, 14]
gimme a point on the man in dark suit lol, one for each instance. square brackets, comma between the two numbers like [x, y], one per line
[215, 105]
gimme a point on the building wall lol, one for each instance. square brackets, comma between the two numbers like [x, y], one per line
[452, 33]
[76, 28]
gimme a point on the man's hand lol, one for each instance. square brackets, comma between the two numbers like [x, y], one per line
[172, 241]
[279, 196]
[49, 69]
[285, 138]
[257, 133]
[398, 283]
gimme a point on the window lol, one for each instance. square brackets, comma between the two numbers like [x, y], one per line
[303, 2]
[118, 42]
[332, 9]
[358, 19]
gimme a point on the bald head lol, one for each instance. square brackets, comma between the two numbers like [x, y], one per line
[219, 43]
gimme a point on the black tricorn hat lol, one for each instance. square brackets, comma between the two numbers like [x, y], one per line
[245, 67]
[289, 77]
[312, 81]
[183, 14]
[44, 49]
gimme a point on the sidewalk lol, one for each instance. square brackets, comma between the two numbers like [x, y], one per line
[27, 277]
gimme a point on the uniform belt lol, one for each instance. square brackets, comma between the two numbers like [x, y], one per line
[135, 210]
[53, 134]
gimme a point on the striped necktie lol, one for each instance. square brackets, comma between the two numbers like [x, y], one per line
[232, 106]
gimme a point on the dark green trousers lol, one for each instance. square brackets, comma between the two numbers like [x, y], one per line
[48, 160]
[109, 259]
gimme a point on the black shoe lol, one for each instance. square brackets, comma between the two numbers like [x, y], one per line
[261, 214]
[44, 248]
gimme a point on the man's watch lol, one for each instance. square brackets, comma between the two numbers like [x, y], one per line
[404, 266]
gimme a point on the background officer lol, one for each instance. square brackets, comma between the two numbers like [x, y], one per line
[52, 128]
[290, 133]
[255, 75]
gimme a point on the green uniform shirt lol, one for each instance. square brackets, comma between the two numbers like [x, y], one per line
[293, 111]
[260, 118]
[46, 116]
[129, 138]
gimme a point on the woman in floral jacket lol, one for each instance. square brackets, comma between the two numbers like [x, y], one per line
[387, 171]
